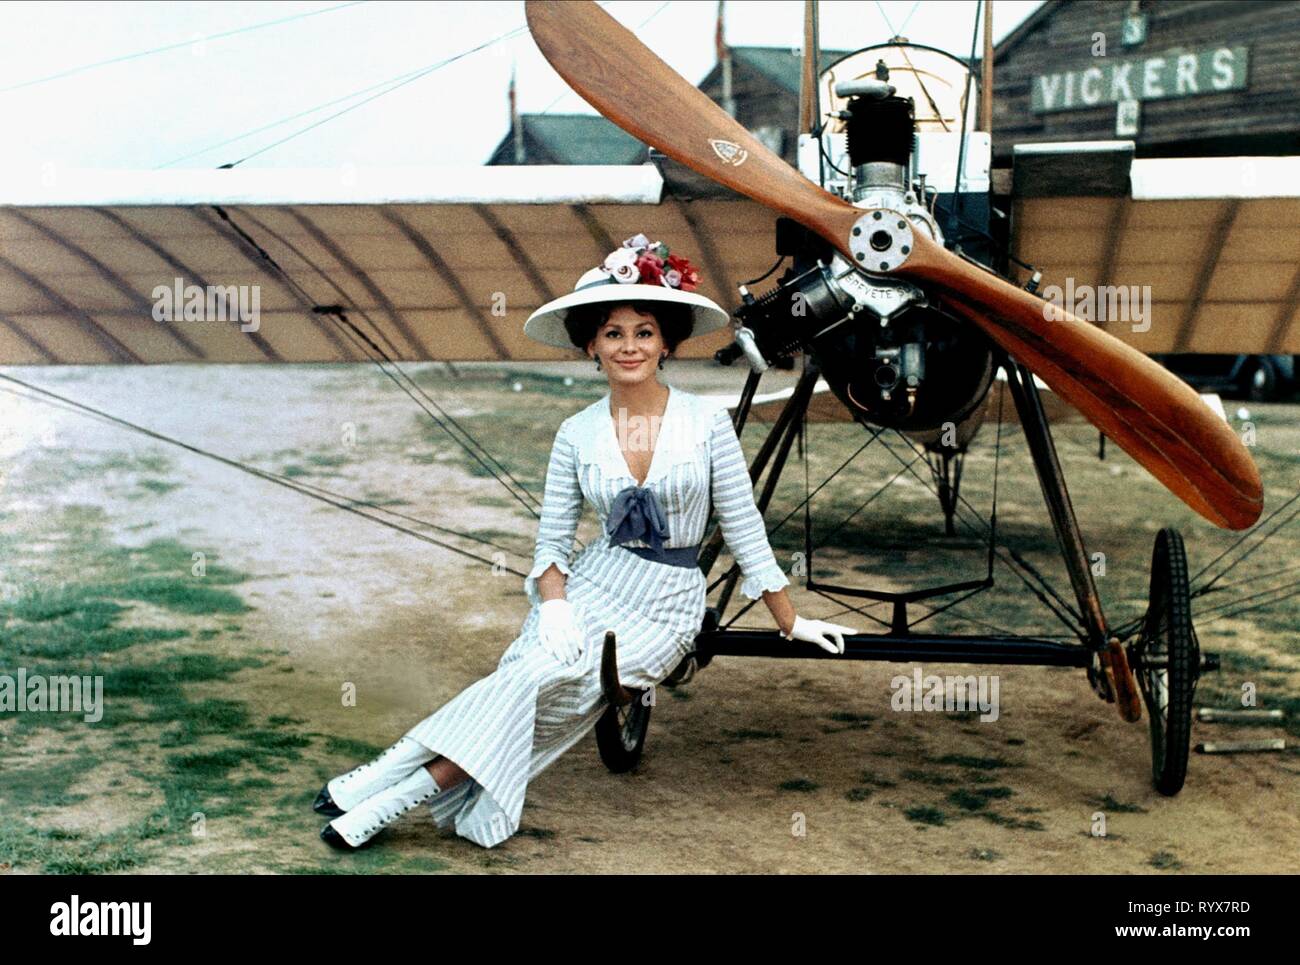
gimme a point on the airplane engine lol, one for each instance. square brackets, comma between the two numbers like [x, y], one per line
[888, 349]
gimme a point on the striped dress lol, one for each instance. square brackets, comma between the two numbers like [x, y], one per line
[507, 727]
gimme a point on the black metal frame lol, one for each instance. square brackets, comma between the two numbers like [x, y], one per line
[900, 643]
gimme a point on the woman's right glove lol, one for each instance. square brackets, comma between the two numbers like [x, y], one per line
[828, 636]
[558, 630]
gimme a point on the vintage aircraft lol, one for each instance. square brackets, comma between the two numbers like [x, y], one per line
[905, 335]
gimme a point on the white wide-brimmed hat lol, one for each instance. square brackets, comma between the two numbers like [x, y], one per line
[640, 270]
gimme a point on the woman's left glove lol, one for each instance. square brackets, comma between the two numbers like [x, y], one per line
[558, 631]
[828, 636]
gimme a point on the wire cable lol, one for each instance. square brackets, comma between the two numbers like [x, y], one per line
[175, 46]
[409, 80]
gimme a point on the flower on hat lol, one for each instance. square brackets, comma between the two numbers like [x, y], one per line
[622, 264]
[688, 277]
[650, 263]
[651, 267]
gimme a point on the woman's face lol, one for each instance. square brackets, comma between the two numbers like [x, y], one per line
[628, 345]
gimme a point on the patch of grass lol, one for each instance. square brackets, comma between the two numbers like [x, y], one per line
[55, 851]
[1109, 804]
[46, 782]
[282, 721]
[1231, 661]
[158, 681]
[182, 595]
[974, 763]
[859, 793]
[210, 716]
[1010, 822]
[925, 814]
[356, 749]
[327, 460]
[1165, 861]
[984, 854]
[72, 637]
[172, 557]
[847, 717]
[276, 743]
[751, 734]
[870, 777]
[924, 777]
[158, 486]
[217, 741]
[212, 766]
[798, 784]
[977, 799]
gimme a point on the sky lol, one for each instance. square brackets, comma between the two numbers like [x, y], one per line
[173, 108]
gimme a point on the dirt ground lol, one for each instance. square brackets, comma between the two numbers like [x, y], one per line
[226, 709]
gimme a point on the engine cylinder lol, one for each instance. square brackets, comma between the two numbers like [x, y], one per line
[880, 129]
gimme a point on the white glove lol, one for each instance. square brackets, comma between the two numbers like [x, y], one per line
[828, 636]
[558, 630]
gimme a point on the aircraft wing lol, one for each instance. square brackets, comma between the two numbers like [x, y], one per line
[1216, 240]
[432, 263]
[445, 264]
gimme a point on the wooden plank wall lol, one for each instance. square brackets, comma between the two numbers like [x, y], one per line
[1268, 110]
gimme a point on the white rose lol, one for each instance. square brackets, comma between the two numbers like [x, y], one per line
[622, 265]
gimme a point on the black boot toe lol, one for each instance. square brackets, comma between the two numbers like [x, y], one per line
[325, 804]
[334, 839]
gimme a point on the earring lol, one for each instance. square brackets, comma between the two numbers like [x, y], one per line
[597, 363]
[661, 360]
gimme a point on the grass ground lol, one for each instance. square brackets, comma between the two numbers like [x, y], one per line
[225, 618]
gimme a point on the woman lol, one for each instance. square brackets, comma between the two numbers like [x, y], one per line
[650, 459]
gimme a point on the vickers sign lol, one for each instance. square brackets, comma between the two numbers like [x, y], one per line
[1172, 74]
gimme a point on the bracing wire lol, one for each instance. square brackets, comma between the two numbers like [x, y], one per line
[175, 46]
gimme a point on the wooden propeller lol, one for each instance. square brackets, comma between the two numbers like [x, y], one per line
[1151, 414]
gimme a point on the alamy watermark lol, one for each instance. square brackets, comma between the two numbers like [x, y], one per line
[212, 303]
[36, 693]
[133, 919]
[1099, 303]
[931, 692]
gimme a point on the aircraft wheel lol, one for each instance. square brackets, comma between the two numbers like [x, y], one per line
[1166, 659]
[621, 733]
[1261, 380]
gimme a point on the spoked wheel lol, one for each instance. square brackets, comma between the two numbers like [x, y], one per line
[621, 733]
[1166, 660]
[621, 729]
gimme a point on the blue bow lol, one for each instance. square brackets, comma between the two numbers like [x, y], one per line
[636, 514]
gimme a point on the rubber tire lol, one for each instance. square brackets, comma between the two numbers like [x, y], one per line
[620, 742]
[1167, 630]
[1265, 392]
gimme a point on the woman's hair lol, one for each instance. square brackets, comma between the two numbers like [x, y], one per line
[675, 320]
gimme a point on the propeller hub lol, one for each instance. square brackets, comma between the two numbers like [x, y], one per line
[881, 240]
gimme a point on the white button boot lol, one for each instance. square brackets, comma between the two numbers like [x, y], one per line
[350, 789]
[364, 821]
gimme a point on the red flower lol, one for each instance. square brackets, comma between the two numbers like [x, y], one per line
[690, 277]
[651, 268]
